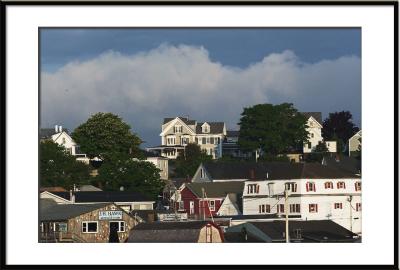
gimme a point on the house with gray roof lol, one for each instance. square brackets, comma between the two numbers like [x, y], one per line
[209, 199]
[87, 223]
[177, 132]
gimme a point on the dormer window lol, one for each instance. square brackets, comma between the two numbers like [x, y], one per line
[205, 128]
[253, 189]
[177, 129]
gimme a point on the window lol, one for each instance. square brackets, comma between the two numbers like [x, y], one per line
[291, 187]
[328, 185]
[338, 206]
[211, 205]
[89, 226]
[202, 174]
[357, 186]
[208, 233]
[280, 208]
[294, 208]
[63, 141]
[177, 129]
[271, 189]
[208, 139]
[203, 140]
[312, 135]
[358, 207]
[309, 145]
[253, 188]
[61, 227]
[341, 185]
[310, 186]
[196, 140]
[313, 208]
[181, 205]
[212, 140]
[120, 225]
[264, 208]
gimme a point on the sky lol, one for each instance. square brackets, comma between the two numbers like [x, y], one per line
[145, 75]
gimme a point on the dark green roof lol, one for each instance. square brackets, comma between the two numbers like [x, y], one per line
[275, 171]
[216, 189]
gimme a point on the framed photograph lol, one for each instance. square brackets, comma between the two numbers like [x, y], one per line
[199, 133]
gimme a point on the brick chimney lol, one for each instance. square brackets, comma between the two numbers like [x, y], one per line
[252, 173]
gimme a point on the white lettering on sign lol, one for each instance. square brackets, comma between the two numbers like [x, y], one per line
[110, 215]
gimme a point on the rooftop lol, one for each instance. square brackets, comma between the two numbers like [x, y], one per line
[274, 171]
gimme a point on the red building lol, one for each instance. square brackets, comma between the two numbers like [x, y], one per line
[203, 200]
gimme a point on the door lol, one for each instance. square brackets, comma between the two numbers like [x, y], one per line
[113, 237]
[191, 207]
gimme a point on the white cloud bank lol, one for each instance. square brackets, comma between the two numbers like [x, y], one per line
[183, 80]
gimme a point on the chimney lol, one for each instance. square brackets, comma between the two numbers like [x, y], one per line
[71, 196]
[56, 128]
[60, 128]
[252, 174]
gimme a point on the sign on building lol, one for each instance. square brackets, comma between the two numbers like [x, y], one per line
[106, 215]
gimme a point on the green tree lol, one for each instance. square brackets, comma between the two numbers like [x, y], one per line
[318, 153]
[104, 134]
[276, 129]
[187, 163]
[339, 125]
[120, 170]
[59, 168]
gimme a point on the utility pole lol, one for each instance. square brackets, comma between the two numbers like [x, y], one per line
[286, 215]
[351, 213]
[204, 212]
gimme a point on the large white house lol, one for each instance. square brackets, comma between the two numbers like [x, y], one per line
[61, 137]
[177, 132]
[354, 143]
[315, 192]
[314, 123]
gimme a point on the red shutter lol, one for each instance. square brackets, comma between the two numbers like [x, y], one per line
[337, 184]
[314, 187]
[295, 187]
[307, 186]
[355, 186]
[316, 208]
[258, 188]
[344, 185]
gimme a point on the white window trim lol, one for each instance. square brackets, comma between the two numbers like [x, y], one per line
[211, 207]
[87, 227]
[119, 225]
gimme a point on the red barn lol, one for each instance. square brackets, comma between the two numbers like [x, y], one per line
[203, 200]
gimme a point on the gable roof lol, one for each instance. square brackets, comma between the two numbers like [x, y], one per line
[215, 128]
[186, 120]
[166, 232]
[46, 133]
[232, 133]
[105, 196]
[216, 189]
[66, 211]
[312, 230]
[316, 115]
[276, 170]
